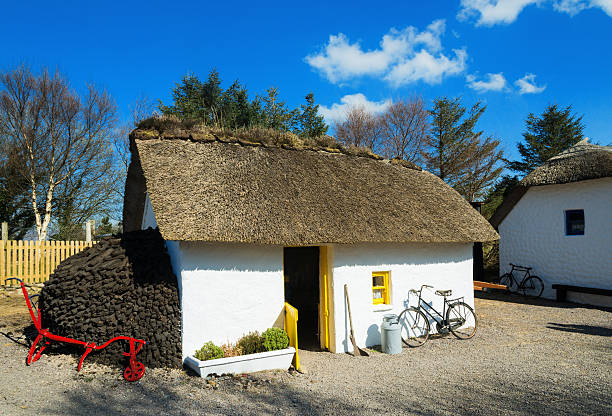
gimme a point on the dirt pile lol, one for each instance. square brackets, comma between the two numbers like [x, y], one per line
[120, 286]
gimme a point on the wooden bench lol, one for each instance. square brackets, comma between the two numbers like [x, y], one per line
[478, 285]
[563, 289]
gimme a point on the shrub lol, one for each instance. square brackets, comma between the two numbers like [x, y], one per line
[275, 339]
[209, 352]
[251, 343]
[231, 350]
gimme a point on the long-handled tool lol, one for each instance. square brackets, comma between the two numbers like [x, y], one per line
[356, 349]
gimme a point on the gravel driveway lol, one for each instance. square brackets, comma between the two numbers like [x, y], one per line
[541, 358]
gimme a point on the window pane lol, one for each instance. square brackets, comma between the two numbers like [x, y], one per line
[574, 222]
[378, 281]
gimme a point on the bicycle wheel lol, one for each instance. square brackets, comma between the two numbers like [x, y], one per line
[414, 327]
[508, 281]
[462, 320]
[532, 286]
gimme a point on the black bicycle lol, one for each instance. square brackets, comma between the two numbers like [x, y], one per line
[457, 317]
[530, 285]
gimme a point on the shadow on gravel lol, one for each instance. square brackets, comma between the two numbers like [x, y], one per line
[188, 398]
[581, 329]
[518, 299]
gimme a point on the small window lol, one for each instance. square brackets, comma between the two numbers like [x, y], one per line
[574, 222]
[380, 288]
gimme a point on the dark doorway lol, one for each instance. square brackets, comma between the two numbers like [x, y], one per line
[301, 269]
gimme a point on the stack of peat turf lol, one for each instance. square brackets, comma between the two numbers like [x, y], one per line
[121, 286]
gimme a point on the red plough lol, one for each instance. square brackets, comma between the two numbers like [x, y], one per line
[134, 371]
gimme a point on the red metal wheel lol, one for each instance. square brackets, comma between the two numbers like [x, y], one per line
[135, 373]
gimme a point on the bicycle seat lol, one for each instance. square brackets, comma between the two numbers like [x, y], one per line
[444, 292]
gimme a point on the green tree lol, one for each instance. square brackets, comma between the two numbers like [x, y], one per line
[187, 98]
[448, 147]
[105, 227]
[457, 153]
[496, 194]
[483, 169]
[275, 112]
[311, 123]
[556, 130]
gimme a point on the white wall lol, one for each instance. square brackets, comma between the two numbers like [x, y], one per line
[444, 266]
[148, 216]
[227, 290]
[533, 235]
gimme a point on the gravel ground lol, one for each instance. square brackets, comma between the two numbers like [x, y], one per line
[540, 357]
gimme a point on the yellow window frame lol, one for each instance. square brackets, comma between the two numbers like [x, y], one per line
[384, 289]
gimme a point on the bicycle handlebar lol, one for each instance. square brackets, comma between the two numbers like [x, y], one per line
[422, 286]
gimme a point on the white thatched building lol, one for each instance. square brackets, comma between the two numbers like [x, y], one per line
[251, 224]
[559, 221]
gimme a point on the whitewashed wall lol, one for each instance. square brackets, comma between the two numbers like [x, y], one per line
[444, 266]
[227, 290]
[533, 234]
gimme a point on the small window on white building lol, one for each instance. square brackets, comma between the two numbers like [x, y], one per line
[574, 222]
[380, 288]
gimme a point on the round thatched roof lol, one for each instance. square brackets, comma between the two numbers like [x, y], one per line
[581, 162]
[204, 187]
[578, 163]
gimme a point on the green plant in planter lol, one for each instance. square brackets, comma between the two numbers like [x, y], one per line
[275, 339]
[251, 343]
[209, 352]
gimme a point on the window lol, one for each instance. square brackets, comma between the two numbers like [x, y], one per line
[574, 222]
[380, 288]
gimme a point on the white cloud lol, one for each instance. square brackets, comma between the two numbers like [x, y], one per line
[492, 12]
[404, 56]
[426, 67]
[337, 111]
[494, 82]
[526, 85]
[573, 7]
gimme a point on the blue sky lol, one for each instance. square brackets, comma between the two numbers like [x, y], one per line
[345, 52]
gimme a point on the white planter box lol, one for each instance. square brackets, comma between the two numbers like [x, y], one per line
[269, 360]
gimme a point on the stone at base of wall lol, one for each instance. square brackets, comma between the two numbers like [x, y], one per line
[590, 299]
[269, 360]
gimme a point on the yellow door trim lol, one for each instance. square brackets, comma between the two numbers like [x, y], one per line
[324, 302]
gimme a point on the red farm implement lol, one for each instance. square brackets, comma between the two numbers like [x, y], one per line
[135, 369]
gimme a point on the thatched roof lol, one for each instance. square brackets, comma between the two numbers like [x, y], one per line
[580, 162]
[206, 187]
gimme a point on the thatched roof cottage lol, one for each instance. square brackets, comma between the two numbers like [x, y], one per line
[558, 221]
[251, 223]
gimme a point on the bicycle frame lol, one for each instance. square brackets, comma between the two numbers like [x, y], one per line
[440, 320]
[519, 269]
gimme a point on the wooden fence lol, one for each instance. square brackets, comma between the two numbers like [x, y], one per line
[34, 261]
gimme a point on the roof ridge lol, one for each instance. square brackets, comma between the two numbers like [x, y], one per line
[210, 137]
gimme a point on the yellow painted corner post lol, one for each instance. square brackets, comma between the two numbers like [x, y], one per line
[324, 298]
[291, 318]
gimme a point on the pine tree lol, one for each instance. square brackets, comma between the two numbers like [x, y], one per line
[275, 112]
[457, 153]
[311, 123]
[188, 100]
[448, 147]
[546, 136]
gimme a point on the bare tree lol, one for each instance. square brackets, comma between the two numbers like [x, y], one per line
[404, 126]
[360, 128]
[61, 137]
